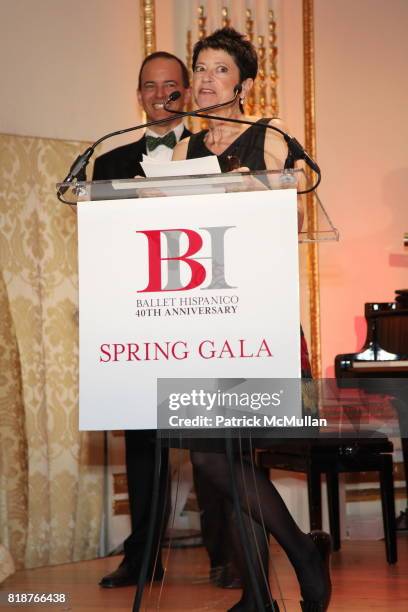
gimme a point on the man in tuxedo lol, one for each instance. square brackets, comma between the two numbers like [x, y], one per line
[160, 74]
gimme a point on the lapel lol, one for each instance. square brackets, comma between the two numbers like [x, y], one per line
[136, 156]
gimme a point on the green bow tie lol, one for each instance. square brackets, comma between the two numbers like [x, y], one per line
[168, 140]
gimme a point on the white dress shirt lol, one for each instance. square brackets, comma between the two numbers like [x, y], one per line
[163, 152]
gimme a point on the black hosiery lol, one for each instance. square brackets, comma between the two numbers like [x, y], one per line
[213, 519]
[256, 490]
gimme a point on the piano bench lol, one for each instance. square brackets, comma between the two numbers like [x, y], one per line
[333, 456]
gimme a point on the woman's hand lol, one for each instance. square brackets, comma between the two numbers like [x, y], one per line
[180, 150]
[240, 169]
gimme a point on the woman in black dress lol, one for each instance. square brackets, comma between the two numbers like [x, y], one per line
[220, 62]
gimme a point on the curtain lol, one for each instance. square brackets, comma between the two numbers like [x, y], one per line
[51, 475]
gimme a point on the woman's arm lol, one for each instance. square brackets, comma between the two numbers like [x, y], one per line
[275, 148]
[275, 153]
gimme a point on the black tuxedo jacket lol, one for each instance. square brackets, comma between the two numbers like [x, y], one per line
[123, 162]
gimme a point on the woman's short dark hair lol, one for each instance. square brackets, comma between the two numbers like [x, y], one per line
[164, 55]
[236, 45]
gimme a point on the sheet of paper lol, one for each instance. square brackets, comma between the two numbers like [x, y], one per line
[153, 160]
[185, 167]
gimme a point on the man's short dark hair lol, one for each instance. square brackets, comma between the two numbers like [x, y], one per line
[164, 55]
[236, 45]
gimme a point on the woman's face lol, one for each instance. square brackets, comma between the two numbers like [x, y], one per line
[215, 76]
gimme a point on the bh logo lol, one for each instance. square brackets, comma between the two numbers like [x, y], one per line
[174, 259]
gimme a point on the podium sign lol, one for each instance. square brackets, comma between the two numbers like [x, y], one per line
[201, 286]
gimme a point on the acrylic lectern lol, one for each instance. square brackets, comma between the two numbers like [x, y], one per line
[180, 280]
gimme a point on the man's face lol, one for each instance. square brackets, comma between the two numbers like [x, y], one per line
[159, 78]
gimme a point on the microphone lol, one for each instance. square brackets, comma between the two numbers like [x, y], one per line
[295, 150]
[172, 98]
[77, 168]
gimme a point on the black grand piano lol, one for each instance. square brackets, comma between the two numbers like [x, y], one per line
[382, 364]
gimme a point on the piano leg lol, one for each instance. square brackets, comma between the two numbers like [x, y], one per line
[315, 497]
[388, 507]
[401, 407]
[402, 410]
[332, 480]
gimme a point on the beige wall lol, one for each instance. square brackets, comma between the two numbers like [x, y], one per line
[362, 140]
[68, 67]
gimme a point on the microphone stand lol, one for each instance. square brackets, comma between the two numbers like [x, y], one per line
[295, 150]
[80, 163]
